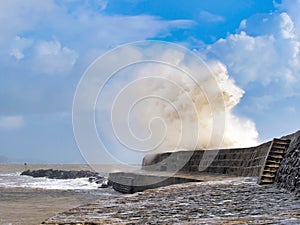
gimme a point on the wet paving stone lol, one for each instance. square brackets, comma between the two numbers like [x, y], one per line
[238, 201]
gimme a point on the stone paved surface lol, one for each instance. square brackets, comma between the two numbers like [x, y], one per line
[234, 201]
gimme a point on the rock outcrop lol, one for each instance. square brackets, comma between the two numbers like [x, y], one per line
[288, 175]
[93, 177]
[60, 174]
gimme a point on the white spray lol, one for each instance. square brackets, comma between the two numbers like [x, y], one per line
[172, 103]
[177, 112]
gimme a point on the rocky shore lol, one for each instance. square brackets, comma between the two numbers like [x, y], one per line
[235, 201]
[67, 174]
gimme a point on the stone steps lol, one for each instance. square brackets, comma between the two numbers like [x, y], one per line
[274, 157]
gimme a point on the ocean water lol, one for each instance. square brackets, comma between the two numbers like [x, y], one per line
[28, 200]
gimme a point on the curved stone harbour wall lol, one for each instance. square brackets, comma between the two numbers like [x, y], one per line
[288, 175]
[239, 161]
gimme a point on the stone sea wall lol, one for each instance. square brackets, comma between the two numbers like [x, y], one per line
[238, 161]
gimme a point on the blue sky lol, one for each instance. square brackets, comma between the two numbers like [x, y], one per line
[45, 47]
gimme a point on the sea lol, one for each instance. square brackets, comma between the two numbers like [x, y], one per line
[25, 200]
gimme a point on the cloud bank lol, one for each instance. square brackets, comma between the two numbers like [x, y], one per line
[265, 51]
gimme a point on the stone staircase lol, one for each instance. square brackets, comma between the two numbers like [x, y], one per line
[273, 159]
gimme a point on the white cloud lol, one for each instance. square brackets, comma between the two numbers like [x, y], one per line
[292, 8]
[18, 45]
[102, 4]
[16, 17]
[51, 57]
[247, 58]
[210, 17]
[287, 26]
[243, 24]
[17, 54]
[80, 29]
[11, 122]
[99, 4]
[266, 58]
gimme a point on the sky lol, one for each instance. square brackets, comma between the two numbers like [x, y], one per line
[45, 47]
